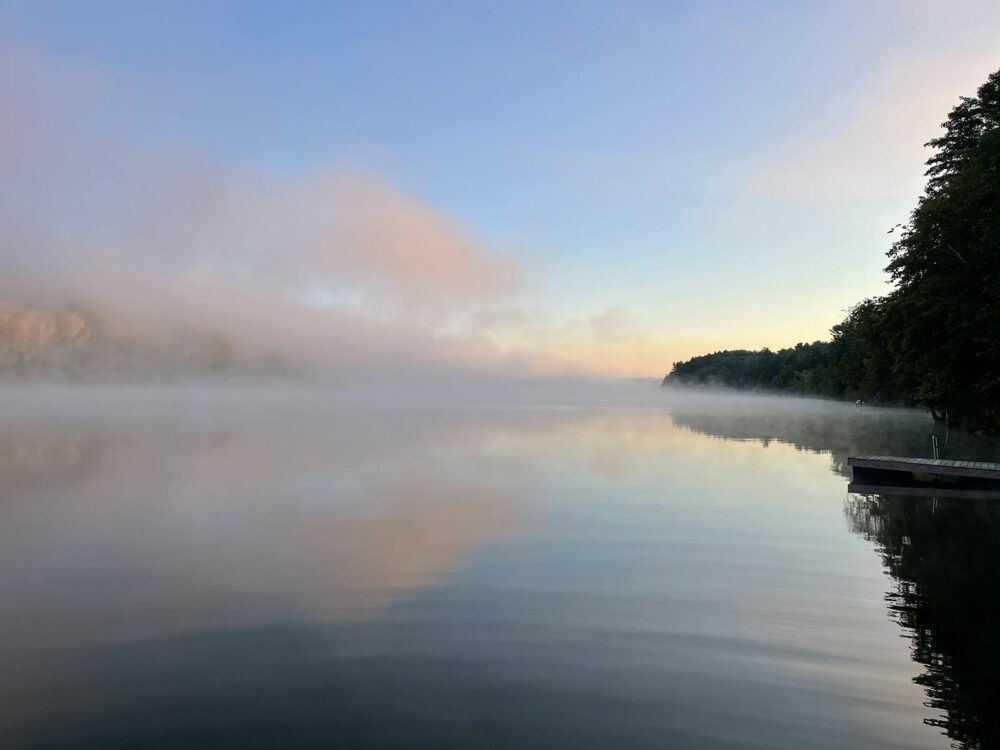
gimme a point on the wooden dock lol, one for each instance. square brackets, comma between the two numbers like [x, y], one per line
[930, 477]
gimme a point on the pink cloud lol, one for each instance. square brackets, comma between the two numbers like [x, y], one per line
[337, 269]
[877, 150]
[614, 323]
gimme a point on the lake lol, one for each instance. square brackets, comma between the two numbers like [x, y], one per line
[534, 566]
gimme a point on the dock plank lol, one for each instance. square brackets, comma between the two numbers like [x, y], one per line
[936, 466]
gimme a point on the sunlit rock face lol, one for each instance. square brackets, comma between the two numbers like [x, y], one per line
[26, 332]
[74, 344]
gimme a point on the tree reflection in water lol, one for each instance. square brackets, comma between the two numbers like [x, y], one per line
[944, 559]
[943, 556]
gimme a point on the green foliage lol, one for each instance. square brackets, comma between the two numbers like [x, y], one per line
[935, 339]
[864, 364]
[943, 319]
[805, 369]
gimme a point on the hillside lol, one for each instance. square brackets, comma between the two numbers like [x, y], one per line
[75, 344]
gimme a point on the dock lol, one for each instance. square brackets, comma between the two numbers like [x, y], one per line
[927, 477]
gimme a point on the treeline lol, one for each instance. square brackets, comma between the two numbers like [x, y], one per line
[804, 368]
[935, 339]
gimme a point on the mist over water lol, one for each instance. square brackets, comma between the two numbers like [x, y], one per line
[331, 343]
[495, 564]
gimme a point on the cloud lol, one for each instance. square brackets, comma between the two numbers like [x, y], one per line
[336, 271]
[613, 342]
[413, 251]
[336, 268]
[332, 235]
[613, 324]
[877, 150]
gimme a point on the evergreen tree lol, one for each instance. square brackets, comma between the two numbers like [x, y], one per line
[943, 319]
[935, 339]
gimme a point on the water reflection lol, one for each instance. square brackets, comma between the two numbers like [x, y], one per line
[186, 572]
[943, 555]
[221, 530]
[944, 559]
[117, 535]
[841, 430]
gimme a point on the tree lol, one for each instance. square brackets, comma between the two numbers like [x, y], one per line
[935, 339]
[863, 364]
[943, 320]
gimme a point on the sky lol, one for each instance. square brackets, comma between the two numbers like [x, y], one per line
[490, 187]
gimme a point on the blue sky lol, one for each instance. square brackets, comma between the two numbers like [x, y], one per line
[715, 174]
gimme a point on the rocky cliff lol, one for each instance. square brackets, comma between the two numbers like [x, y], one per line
[32, 338]
[75, 344]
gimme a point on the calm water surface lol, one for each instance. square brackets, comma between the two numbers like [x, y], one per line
[289, 569]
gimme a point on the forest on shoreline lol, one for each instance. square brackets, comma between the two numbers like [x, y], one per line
[934, 340]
